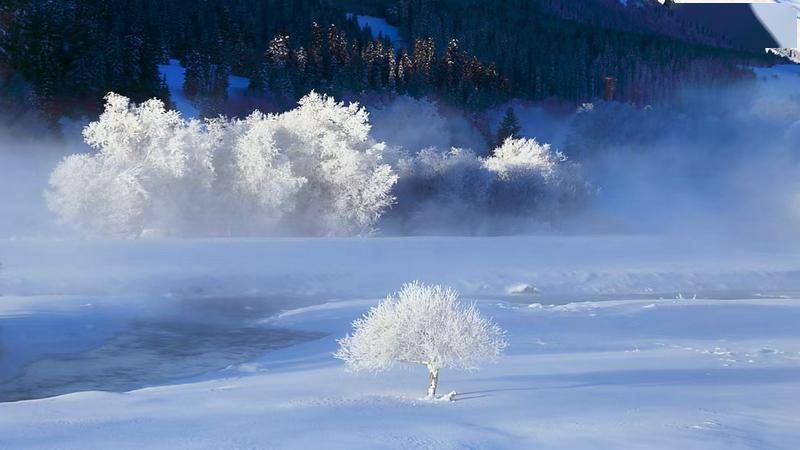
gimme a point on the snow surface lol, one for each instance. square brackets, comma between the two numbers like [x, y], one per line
[237, 86]
[616, 342]
[556, 268]
[381, 28]
[624, 374]
[174, 75]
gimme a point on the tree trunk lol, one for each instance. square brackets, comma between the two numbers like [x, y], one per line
[433, 381]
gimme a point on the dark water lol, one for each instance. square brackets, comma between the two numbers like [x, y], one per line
[50, 354]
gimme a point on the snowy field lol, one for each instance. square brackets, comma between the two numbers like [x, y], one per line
[381, 28]
[616, 342]
[621, 341]
[173, 74]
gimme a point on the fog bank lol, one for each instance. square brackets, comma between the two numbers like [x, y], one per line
[720, 160]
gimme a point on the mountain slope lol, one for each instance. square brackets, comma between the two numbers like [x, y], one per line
[736, 21]
[580, 50]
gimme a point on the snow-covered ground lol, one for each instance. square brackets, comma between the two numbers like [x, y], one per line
[553, 268]
[174, 75]
[381, 28]
[237, 86]
[616, 342]
[626, 374]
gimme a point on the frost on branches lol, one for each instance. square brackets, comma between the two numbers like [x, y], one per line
[522, 184]
[425, 325]
[313, 170]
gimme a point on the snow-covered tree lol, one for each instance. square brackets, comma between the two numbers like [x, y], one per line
[425, 325]
[533, 179]
[312, 170]
[523, 184]
[520, 157]
[348, 187]
[149, 162]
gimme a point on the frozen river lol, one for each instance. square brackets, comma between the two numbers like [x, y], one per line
[112, 345]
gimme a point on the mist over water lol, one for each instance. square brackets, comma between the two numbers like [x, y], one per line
[720, 160]
[25, 166]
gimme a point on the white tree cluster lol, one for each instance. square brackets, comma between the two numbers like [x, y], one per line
[523, 181]
[313, 170]
[422, 324]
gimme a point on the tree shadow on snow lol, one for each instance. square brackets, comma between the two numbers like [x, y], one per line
[662, 377]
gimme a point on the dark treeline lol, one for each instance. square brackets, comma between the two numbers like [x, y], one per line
[332, 63]
[61, 57]
[71, 52]
[636, 16]
[216, 38]
[7, 11]
[567, 49]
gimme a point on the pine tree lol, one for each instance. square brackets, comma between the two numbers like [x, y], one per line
[299, 71]
[391, 80]
[315, 55]
[509, 127]
[279, 55]
[404, 69]
[258, 78]
[195, 74]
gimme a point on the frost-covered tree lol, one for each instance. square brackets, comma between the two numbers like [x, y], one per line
[348, 187]
[313, 170]
[524, 184]
[516, 158]
[426, 325]
[532, 178]
[149, 163]
[436, 190]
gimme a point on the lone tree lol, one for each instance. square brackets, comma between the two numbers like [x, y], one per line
[509, 127]
[425, 325]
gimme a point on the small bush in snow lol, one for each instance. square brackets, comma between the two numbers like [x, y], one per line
[425, 325]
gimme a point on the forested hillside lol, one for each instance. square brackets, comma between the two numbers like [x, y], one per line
[579, 50]
[62, 57]
[73, 52]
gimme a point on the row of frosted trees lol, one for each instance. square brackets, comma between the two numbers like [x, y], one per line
[312, 170]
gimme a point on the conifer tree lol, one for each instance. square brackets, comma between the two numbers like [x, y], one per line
[509, 127]
[278, 55]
